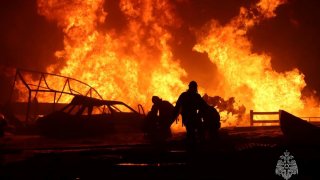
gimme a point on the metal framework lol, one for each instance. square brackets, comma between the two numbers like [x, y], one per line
[252, 114]
[38, 87]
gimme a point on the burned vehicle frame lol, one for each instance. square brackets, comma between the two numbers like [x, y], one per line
[86, 116]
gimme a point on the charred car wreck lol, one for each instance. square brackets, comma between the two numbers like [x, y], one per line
[86, 116]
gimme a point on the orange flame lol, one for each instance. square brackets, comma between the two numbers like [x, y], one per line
[131, 65]
[246, 75]
[137, 62]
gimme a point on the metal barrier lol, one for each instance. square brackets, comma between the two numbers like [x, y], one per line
[252, 114]
[309, 119]
[253, 121]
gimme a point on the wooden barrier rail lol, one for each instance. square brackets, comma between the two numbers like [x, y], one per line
[252, 121]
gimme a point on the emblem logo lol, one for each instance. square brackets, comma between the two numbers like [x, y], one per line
[286, 166]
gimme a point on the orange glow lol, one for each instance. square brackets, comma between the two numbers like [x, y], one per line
[136, 63]
[132, 65]
[246, 75]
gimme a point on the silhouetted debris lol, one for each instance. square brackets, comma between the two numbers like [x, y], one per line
[14, 125]
[86, 116]
[228, 105]
[3, 124]
[297, 130]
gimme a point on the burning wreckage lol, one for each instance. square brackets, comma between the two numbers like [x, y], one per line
[85, 115]
[88, 114]
[243, 72]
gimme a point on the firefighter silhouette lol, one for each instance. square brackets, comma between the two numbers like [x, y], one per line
[159, 119]
[188, 104]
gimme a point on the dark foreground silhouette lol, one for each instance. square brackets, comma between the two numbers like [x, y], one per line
[85, 117]
[3, 124]
[197, 116]
[159, 120]
[298, 131]
[240, 153]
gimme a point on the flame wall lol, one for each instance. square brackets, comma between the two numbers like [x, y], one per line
[136, 62]
[131, 65]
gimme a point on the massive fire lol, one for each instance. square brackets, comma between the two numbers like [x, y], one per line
[132, 65]
[137, 62]
[246, 75]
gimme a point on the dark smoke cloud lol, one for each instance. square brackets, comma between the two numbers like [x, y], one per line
[194, 15]
[292, 39]
[28, 40]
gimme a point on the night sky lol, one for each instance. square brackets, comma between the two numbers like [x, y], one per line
[292, 38]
